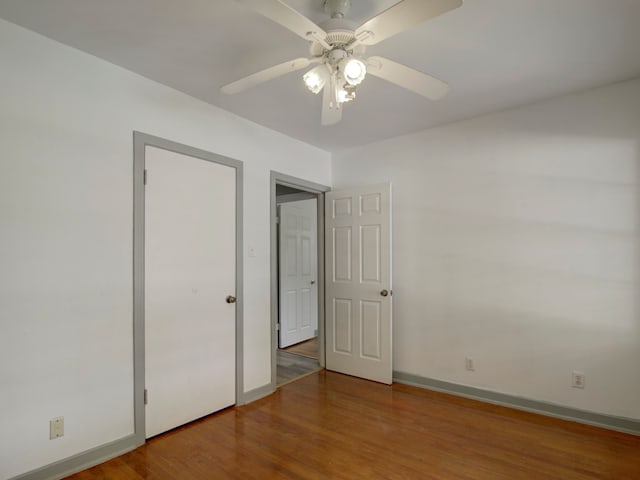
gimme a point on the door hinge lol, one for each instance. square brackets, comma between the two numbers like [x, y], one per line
[145, 176]
[146, 396]
[277, 326]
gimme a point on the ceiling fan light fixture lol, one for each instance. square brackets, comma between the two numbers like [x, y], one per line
[316, 78]
[353, 70]
[338, 46]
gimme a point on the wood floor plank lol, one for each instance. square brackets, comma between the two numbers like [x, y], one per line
[309, 348]
[331, 426]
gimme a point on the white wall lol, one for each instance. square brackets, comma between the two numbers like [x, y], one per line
[66, 123]
[517, 242]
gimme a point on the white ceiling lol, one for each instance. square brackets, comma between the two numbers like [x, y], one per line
[494, 54]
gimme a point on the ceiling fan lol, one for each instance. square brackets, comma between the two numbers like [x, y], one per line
[338, 46]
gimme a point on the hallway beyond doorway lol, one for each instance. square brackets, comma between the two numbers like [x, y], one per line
[297, 361]
[308, 348]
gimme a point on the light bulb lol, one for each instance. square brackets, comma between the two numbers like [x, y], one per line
[312, 80]
[315, 78]
[354, 70]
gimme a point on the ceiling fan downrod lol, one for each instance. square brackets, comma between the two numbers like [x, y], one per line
[337, 8]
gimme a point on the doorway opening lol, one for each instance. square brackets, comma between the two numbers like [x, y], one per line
[297, 278]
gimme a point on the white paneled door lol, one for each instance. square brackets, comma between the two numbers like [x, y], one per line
[298, 271]
[190, 270]
[358, 282]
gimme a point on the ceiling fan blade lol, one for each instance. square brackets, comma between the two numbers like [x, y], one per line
[331, 110]
[286, 16]
[402, 16]
[406, 77]
[265, 75]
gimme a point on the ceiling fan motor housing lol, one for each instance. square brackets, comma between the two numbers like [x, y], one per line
[340, 33]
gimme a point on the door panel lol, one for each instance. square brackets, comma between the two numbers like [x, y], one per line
[298, 272]
[342, 327]
[341, 254]
[371, 254]
[370, 313]
[190, 243]
[305, 308]
[358, 239]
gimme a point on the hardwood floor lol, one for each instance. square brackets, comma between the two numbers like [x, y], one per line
[328, 426]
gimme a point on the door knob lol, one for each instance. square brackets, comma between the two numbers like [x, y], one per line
[384, 293]
[231, 299]
[312, 282]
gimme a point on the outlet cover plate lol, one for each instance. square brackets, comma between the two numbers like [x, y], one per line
[468, 364]
[577, 380]
[56, 428]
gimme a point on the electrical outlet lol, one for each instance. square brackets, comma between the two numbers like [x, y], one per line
[56, 427]
[468, 364]
[577, 380]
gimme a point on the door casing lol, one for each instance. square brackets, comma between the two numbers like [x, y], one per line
[141, 140]
[318, 189]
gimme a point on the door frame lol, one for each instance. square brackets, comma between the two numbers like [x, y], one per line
[319, 190]
[140, 141]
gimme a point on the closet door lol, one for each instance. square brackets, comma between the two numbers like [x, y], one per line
[190, 281]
